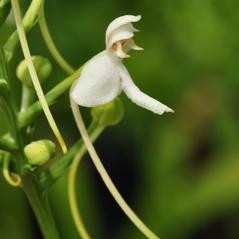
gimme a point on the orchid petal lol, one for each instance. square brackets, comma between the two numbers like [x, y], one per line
[120, 51]
[118, 23]
[130, 44]
[137, 96]
[124, 32]
[99, 82]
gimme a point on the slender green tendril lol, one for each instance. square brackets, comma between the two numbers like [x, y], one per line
[105, 177]
[73, 198]
[72, 182]
[12, 178]
[32, 71]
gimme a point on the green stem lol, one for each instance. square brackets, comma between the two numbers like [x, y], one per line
[27, 117]
[8, 143]
[12, 178]
[105, 176]
[3, 68]
[49, 176]
[72, 185]
[33, 74]
[27, 98]
[37, 200]
[40, 206]
[50, 43]
[29, 21]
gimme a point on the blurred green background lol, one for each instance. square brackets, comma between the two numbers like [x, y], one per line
[180, 172]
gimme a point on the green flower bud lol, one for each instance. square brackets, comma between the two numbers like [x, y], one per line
[108, 114]
[5, 7]
[39, 152]
[43, 68]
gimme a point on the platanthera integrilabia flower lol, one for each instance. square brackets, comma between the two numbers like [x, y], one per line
[104, 76]
[102, 79]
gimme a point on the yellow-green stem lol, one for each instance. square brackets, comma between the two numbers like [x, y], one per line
[12, 178]
[72, 186]
[32, 71]
[105, 177]
[73, 198]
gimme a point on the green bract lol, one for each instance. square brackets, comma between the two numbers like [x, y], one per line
[39, 152]
[43, 69]
[108, 114]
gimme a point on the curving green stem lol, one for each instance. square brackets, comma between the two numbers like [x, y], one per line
[12, 178]
[33, 74]
[72, 183]
[27, 117]
[105, 176]
[50, 43]
[29, 21]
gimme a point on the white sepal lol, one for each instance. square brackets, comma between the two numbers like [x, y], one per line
[137, 96]
[99, 82]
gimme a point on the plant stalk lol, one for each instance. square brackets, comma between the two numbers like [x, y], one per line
[40, 206]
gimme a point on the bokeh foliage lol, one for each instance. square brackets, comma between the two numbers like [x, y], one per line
[179, 172]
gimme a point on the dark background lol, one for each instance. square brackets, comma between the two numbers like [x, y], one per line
[179, 172]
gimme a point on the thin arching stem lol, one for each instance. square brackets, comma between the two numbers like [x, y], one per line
[12, 178]
[50, 43]
[97, 130]
[105, 177]
[73, 198]
[33, 74]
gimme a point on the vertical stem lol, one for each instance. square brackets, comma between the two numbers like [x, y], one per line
[37, 200]
[40, 206]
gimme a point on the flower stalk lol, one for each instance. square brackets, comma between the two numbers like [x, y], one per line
[33, 74]
[96, 131]
[40, 206]
[104, 175]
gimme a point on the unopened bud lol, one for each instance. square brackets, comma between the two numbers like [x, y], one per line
[5, 7]
[39, 152]
[43, 68]
[108, 114]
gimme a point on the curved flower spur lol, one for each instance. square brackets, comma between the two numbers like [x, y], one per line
[102, 79]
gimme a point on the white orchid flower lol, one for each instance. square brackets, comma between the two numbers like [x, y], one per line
[104, 76]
